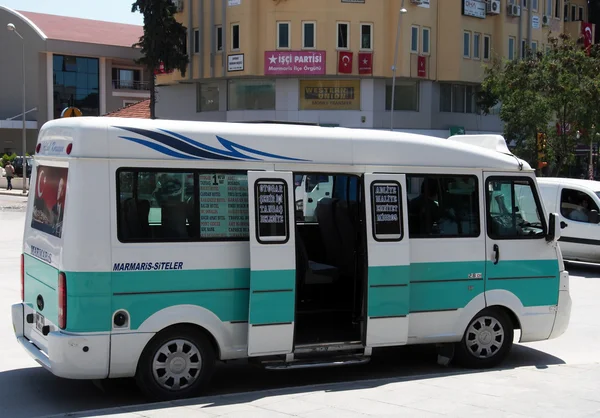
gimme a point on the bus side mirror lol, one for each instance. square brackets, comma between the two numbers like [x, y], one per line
[553, 228]
[593, 217]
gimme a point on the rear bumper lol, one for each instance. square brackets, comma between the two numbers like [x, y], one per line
[72, 356]
[563, 313]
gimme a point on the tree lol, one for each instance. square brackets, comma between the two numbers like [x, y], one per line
[164, 42]
[556, 93]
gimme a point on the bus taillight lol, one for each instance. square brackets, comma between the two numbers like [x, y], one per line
[22, 278]
[62, 300]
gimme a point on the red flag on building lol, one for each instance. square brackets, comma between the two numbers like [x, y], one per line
[422, 68]
[365, 63]
[586, 31]
[345, 62]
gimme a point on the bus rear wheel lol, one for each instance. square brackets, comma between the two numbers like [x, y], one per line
[487, 340]
[177, 363]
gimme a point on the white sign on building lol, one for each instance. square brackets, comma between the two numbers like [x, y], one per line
[474, 8]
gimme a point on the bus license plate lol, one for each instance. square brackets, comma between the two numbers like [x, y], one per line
[39, 321]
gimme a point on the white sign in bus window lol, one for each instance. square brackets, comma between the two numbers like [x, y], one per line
[386, 201]
[271, 211]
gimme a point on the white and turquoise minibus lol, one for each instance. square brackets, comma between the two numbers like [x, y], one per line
[157, 248]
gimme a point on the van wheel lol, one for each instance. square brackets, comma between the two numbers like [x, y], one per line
[177, 363]
[487, 340]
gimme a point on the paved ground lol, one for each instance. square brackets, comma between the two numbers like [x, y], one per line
[557, 377]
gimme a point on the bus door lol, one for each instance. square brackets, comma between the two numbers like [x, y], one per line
[388, 283]
[272, 263]
[519, 259]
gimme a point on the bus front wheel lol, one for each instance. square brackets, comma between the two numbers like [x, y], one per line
[487, 340]
[177, 363]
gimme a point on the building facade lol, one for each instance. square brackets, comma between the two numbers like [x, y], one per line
[330, 61]
[69, 62]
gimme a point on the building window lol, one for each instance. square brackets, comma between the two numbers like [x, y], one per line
[406, 96]
[511, 48]
[126, 79]
[451, 194]
[534, 5]
[148, 211]
[207, 97]
[76, 83]
[549, 8]
[283, 35]
[425, 41]
[573, 12]
[196, 41]
[309, 30]
[476, 45]
[219, 38]
[414, 39]
[557, 9]
[467, 44]
[523, 48]
[366, 36]
[524, 4]
[343, 35]
[534, 47]
[235, 37]
[251, 94]
[487, 47]
[458, 98]
[581, 14]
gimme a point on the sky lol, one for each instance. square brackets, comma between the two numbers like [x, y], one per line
[109, 10]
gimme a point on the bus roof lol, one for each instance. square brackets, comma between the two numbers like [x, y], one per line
[159, 139]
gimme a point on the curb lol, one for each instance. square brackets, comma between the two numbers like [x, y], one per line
[9, 193]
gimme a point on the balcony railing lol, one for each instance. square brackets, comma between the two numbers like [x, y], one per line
[130, 85]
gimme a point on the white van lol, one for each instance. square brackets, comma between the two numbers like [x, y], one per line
[156, 248]
[577, 203]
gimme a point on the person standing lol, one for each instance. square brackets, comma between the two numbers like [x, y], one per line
[10, 173]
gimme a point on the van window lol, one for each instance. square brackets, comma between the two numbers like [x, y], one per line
[513, 209]
[177, 205]
[576, 205]
[443, 206]
[49, 201]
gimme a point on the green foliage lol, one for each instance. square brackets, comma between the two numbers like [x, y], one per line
[543, 90]
[164, 41]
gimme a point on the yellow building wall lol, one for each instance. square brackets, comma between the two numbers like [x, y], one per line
[445, 61]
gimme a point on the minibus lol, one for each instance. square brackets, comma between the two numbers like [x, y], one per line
[155, 249]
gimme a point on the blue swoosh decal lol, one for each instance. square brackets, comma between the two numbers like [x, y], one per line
[177, 144]
[190, 149]
[159, 148]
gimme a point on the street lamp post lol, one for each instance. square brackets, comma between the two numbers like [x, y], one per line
[402, 11]
[12, 28]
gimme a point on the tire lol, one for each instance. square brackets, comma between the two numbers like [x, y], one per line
[183, 375]
[479, 347]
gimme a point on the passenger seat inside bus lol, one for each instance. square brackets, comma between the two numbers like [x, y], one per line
[338, 234]
[174, 220]
[134, 219]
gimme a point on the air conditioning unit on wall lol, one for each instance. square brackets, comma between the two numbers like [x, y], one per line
[514, 10]
[493, 7]
[545, 20]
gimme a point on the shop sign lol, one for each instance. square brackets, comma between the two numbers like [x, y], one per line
[474, 8]
[329, 95]
[294, 62]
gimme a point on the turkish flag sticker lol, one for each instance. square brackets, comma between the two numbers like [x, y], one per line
[345, 62]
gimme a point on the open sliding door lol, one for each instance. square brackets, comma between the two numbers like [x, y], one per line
[388, 286]
[272, 263]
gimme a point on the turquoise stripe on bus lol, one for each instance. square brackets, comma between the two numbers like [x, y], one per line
[445, 271]
[534, 282]
[272, 296]
[388, 291]
[41, 279]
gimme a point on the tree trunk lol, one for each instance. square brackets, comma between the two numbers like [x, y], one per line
[152, 95]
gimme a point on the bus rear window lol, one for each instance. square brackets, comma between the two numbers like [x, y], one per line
[49, 200]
